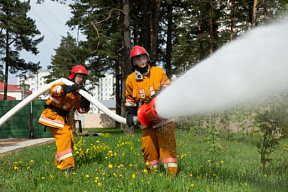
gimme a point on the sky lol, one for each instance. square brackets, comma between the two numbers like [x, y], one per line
[50, 18]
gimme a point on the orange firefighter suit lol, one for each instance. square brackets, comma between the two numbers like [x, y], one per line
[156, 142]
[56, 117]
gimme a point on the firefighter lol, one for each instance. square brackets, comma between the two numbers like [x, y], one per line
[64, 99]
[141, 87]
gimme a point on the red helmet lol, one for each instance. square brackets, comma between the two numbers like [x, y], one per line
[77, 69]
[138, 50]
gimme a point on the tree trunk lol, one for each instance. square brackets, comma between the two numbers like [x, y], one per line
[155, 30]
[126, 67]
[232, 19]
[6, 66]
[211, 30]
[169, 40]
[146, 26]
[254, 13]
[118, 90]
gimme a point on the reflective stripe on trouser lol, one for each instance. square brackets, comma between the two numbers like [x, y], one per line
[161, 143]
[64, 142]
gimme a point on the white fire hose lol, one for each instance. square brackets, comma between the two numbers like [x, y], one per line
[35, 95]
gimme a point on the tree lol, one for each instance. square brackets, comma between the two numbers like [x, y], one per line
[68, 55]
[18, 32]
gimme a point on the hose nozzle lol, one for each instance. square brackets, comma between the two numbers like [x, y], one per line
[147, 115]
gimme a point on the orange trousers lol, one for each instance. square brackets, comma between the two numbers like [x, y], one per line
[64, 140]
[160, 143]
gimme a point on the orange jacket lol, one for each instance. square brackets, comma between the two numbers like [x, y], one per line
[69, 102]
[141, 90]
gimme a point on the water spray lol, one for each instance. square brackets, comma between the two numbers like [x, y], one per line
[246, 70]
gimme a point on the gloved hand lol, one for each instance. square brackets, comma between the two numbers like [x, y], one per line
[84, 103]
[71, 88]
[131, 112]
[136, 121]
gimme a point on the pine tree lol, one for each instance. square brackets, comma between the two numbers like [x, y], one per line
[68, 55]
[18, 32]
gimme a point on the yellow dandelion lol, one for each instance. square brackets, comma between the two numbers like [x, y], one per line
[265, 175]
[190, 175]
[32, 161]
[246, 184]
[209, 161]
[15, 163]
[130, 165]
[110, 166]
[48, 146]
[59, 166]
[99, 184]
[133, 176]
[51, 176]
[103, 174]
[42, 178]
[192, 185]
[145, 171]
[73, 173]
[198, 177]
[87, 176]
[214, 174]
[147, 163]
[20, 161]
[120, 175]
[160, 174]
[16, 168]
[222, 162]
[28, 168]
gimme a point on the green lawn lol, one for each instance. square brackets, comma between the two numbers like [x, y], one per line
[114, 162]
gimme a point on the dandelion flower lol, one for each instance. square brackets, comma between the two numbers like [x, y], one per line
[32, 161]
[20, 161]
[130, 165]
[16, 168]
[42, 178]
[246, 184]
[28, 168]
[209, 161]
[110, 166]
[190, 175]
[198, 177]
[222, 162]
[192, 185]
[87, 176]
[160, 174]
[99, 184]
[265, 175]
[133, 176]
[145, 171]
[120, 175]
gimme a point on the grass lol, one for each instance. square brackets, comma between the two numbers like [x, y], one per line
[114, 162]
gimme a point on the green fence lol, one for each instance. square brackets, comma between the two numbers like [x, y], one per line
[23, 124]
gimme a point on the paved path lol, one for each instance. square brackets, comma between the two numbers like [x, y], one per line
[11, 147]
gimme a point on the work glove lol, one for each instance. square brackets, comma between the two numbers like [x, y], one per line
[136, 121]
[71, 88]
[84, 103]
[131, 112]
